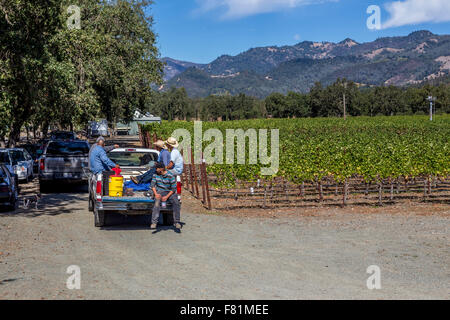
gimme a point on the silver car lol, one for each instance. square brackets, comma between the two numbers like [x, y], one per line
[19, 162]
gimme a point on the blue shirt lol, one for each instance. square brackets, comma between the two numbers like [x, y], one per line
[99, 161]
[177, 159]
[164, 157]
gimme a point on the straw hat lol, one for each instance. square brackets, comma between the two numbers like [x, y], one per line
[160, 144]
[172, 142]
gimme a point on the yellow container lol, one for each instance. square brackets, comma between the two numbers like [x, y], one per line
[116, 186]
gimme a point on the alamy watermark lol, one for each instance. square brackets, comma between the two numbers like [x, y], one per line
[234, 147]
[73, 282]
[374, 20]
[374, 281]
[74, 21]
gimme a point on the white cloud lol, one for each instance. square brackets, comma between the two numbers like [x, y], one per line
[417, 11]
[243, 8]
[297, 37]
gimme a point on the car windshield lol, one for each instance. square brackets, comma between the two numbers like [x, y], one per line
[17, 156]
[67, 148]
[32, 149]
[134, 159]
[4, 157]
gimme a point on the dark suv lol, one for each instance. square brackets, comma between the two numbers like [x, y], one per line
[64, 161]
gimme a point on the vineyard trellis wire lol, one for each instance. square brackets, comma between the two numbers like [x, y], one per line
[374, 152]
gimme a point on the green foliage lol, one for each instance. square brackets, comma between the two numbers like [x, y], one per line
[319, 102]
[312, 149]
[55, 75]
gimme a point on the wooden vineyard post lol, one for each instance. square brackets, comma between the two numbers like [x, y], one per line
[202, 178]
[425, 188]
[429, 185]
[194, 173]
[285, 189]
[191, 178]
[208, 198]
[392, 189]
[345, 192]
[265, 197]
[380, 192]
[320, 187]
[147, 142]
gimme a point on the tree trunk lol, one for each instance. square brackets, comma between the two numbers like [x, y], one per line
[14, 135]
[45, 129]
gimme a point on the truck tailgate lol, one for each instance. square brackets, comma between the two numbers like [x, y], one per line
[128, 199]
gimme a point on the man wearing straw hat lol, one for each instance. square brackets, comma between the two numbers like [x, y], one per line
[176, 164]
[164, 157]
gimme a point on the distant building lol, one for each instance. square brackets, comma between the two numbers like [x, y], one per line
[132, 128]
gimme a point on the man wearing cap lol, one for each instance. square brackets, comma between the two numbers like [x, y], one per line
[164, 186]
[176, 164]
[164, 157]
[98, 160]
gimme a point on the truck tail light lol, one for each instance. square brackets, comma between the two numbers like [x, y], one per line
[42, 165]
[179, 185]
[99, 187]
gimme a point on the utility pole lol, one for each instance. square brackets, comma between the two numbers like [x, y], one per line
[431, 99]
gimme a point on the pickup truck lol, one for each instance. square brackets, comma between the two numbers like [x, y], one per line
[63, 161]
[133, 162]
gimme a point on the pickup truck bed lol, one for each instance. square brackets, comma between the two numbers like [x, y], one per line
[102, 204]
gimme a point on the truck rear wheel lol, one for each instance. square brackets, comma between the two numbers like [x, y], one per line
[91, 204]
[99, 218]
[43, 186]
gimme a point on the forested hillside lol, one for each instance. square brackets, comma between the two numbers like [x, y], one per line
[414, 59]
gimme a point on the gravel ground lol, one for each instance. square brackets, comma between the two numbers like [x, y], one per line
[320, 255]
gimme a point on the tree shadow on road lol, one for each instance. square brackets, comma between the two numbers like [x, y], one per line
[55, 201]
[118, 222]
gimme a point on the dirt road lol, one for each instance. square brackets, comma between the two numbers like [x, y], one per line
[321, 256]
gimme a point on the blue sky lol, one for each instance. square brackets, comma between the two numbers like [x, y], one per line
[201, 30]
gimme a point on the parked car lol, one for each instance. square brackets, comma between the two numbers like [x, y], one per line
[132, 162]
[98, 128]
[33, 150]
[19, 162]
[63, 135]
[63, 161]
[8, 188]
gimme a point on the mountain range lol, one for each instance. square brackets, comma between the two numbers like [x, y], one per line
[419, 57]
